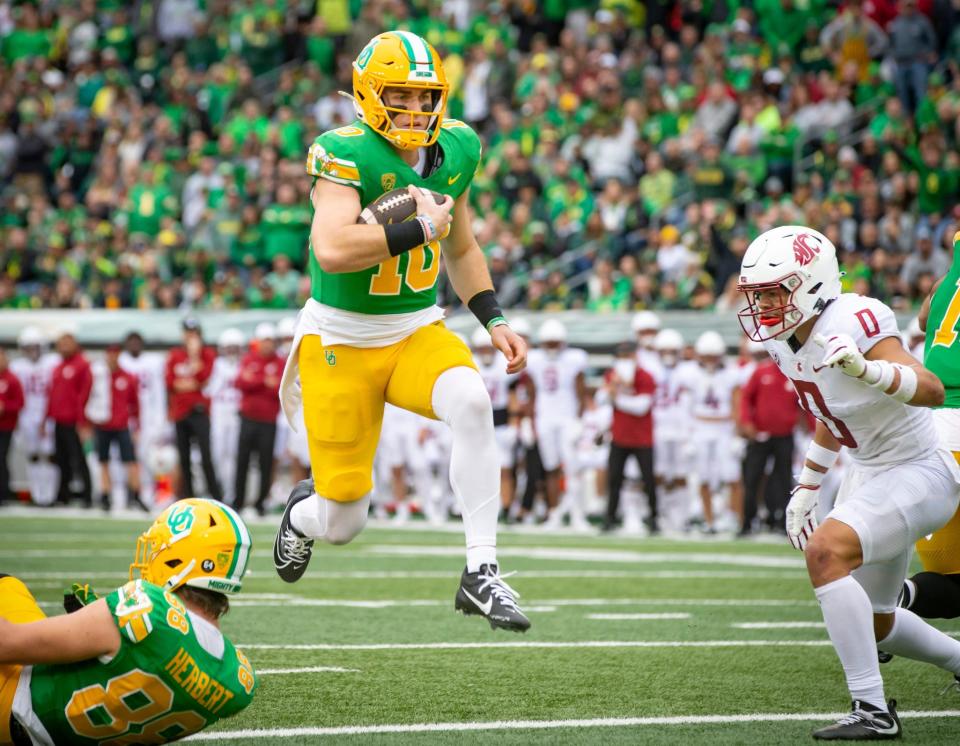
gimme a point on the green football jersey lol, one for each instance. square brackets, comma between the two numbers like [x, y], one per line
[941, 351]
[161, 685]
[357, 156]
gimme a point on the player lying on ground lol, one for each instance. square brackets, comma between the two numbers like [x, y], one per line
[844, 355]
[372, 331]
[145, 664]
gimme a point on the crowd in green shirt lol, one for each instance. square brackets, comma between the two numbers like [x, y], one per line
[610, 178]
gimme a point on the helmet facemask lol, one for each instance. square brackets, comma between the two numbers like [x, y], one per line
[777, 322]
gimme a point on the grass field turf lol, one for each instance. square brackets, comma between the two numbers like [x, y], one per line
[382, 609]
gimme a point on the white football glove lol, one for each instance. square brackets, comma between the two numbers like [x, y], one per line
[802, 515]
[842, 352]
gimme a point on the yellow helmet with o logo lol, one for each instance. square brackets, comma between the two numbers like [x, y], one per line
[399, 59]
[195, 542]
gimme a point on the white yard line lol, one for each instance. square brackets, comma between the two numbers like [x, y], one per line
[635, 617]
[385, 603]
[538, 645]
[358, 730]
[310, 669]
[779, 625]
[577, 554]
[322, 577]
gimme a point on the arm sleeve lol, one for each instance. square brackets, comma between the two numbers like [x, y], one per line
[637, 404]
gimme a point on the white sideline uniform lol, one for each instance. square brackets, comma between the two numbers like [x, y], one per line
[37, 449]
[709, 394]
[155, 428]
[671, 423]
[902, 483]
[554, 379]
[498, 381]
[225, 422]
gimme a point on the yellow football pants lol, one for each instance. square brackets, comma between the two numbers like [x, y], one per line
[941, 552]
[17, 605]
[344, 390]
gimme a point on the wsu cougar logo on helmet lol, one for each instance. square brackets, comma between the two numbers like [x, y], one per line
[804, 251]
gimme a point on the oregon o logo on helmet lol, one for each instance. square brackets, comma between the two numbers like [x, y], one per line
[180, 520]
[364, 57]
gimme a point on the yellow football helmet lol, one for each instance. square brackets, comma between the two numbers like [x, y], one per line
[195, 542]
[399, 59]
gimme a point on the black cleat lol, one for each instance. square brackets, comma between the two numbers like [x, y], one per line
[484, 593]
[291, 550]
[864, 723]
[884, 657]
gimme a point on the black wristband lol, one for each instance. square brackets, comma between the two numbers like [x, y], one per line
[486, 308]
[401, 237]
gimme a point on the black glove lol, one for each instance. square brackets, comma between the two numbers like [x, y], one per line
[79, 595]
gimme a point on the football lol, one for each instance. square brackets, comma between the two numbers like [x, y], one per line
[394, 206]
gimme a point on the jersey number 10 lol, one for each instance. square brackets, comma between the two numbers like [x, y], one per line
[423, 267]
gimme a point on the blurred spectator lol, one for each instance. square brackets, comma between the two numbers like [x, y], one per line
[70, 387]
[188, 368]
[11, 402]
[630, 390]
[259, 383]
[122, 420]
[913, 45]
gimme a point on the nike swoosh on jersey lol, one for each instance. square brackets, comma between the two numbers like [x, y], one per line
[485, 608]
[818, 368]
[453, 179]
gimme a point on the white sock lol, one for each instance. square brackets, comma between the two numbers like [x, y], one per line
[461, 400]
[849, 616]
[913, 638]
[335, 522]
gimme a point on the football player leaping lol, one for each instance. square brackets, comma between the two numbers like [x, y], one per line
[145, 664]
[844, 355]
[372, 331]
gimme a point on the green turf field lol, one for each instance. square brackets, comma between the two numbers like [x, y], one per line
[633, 641]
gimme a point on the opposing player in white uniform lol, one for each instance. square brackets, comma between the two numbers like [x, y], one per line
[499, 383]
[671, 429]
[847, 362]
[710, 385]
[34, 369]
[225, 408]
[155, 427]
[556, 373]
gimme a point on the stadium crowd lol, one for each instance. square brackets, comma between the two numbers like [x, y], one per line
[670, 433]
[151, 153]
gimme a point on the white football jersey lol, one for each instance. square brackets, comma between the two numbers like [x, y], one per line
[877, 430]
[554, 379]
[497, 381]
[709, 393]
[221, 388]
[35, 380]
[670, 408]
[150, 370]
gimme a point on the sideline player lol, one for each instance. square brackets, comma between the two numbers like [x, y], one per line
[372, 333]
[935, 592]
[145, 664]
[845, 357]
[34, 367]
[500, 385]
